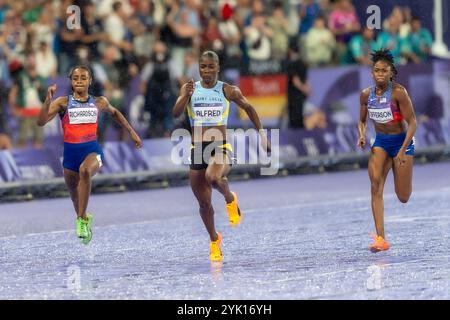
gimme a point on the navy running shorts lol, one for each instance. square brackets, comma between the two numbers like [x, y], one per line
[75, 153]
[391, 143]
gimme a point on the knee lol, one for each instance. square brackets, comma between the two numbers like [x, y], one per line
[376, 185]
[85, 173]
[204, 205]
[213, 179]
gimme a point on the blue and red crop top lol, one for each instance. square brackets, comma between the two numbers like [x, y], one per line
[382, 109]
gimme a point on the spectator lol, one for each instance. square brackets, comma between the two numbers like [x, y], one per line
[257, 9]
[67, 41]
[279, 23]
[257, 38]
[191, 69]
[4, 84]
[5, 56]
[94, 34]
[325, 9]
[419, 41]
[362, 45]
[405, 27]
[231, 37]
[242, 10]
[107, 73]
[105, 8]
[298, 86]
[184, 22]
[403, 18]
[4, 7]
[211, 38]
[343, 23]
[157, 86]
[144, 31]
[43, 30]
[309, 11]
[116, 27]
[391, 40]
[319, 44]
[15, 34]
[46, 62]
[25, 99]
[32, 10]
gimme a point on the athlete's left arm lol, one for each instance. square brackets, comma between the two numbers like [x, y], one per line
[104, 105]
[233, 93]
[407, 110]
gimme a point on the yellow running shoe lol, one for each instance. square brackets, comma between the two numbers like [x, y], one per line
[215, 253]
[379, 244]
[234, 213]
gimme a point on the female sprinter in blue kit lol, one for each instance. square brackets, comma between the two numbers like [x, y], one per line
[388, 104]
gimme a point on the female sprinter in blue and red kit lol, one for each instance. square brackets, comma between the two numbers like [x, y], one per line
[83, 156]
[207, 102]
[388, 104]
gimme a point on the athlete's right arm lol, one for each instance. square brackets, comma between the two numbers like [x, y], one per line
[50, 108]
[362, 123]
[186, 92]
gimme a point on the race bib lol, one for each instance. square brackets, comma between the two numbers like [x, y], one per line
[83, 115]
[382, 115]
[208, 113]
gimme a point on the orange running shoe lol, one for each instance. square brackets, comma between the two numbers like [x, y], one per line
[215, 253]
[234, 213]
[379, 244]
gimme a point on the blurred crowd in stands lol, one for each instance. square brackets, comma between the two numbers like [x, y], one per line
[159, 42]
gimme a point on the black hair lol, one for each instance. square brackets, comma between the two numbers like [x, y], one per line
[83, 67]
[210, 55]
[277, 4]
[116, 6]
[386, 56]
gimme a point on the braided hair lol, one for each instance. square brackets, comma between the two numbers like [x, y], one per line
[386, 56]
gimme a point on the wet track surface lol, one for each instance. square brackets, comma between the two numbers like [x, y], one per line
[302, 237]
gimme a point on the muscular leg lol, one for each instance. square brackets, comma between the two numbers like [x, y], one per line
[403, 179]
[88, 169]
[216, 173]
[72, 178]
[202, 191]
[379, 165]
